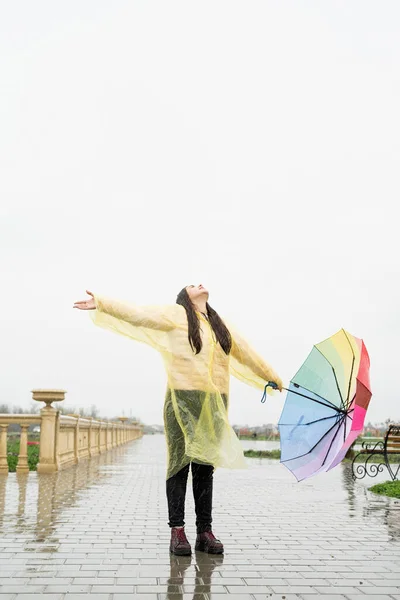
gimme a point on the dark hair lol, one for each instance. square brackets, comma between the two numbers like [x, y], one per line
[220, 329]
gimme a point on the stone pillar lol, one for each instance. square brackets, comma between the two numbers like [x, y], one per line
[123, 436]
[23, 466]
[99, 438]
[3, 449]
[48, 459]
[76, 440]
[109, 435]
[106, 428]
[90, 441]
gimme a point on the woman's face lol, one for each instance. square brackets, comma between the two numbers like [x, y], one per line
[196, 291]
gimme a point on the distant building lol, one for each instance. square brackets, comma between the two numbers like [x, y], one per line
[152, 429]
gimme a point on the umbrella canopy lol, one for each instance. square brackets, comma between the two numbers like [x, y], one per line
[325, 407]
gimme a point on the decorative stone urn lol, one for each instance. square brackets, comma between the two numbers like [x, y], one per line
[48, 396]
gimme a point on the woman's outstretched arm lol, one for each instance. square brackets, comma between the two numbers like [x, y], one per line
[248, 366]
[151, 317]
[148, 324]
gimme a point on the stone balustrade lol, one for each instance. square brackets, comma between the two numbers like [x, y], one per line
[65, 440]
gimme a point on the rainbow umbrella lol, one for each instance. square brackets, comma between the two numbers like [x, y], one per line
[325, 407]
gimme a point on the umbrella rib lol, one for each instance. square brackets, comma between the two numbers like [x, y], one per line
[345, 422]
[313, 448]
[311, 392]
[339, 410]
[334, 374]
[352, 369]
[343, 417]
[309, 423]
[317, 420]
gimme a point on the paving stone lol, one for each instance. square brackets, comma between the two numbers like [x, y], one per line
[66, 589]
[305, 582]
[326, 597]
[28, 596]
[249, 589]
[349, 582]
[377, 597]
[265, 581]
[214, 596]
[15, 589]
[92, 581]
[127, 597]
[73, 596]
[339, 590]
[74, 574]
[275, 597]
[375, 590]
[293, 589]
[113, 589]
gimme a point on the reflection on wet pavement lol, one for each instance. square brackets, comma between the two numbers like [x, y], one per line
[100, 529]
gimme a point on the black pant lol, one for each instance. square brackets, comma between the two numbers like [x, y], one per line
[202, 492]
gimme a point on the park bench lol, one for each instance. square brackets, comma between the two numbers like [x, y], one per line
[387, 448]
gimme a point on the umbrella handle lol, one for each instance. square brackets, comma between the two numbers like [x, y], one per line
[271, 384]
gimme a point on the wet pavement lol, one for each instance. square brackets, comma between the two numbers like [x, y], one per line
[100, 530]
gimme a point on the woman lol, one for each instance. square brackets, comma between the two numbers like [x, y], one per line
[199, 353]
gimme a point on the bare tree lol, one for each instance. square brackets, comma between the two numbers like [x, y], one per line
[94, 411]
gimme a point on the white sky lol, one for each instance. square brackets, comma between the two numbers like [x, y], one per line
[250, 146]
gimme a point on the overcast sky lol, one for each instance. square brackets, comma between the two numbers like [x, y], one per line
[146, 145]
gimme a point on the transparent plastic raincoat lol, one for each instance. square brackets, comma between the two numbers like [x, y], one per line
[197, 399]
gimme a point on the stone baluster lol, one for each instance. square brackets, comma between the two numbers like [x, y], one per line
[23, 466]
[123, 421]
[100, 430]
[3, 449]
[107, 429]
[76, 440]
[90, 438]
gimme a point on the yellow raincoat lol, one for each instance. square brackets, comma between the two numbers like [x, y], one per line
[197, 399]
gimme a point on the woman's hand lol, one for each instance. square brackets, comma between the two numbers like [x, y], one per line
[86, 304]
[277, 384]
